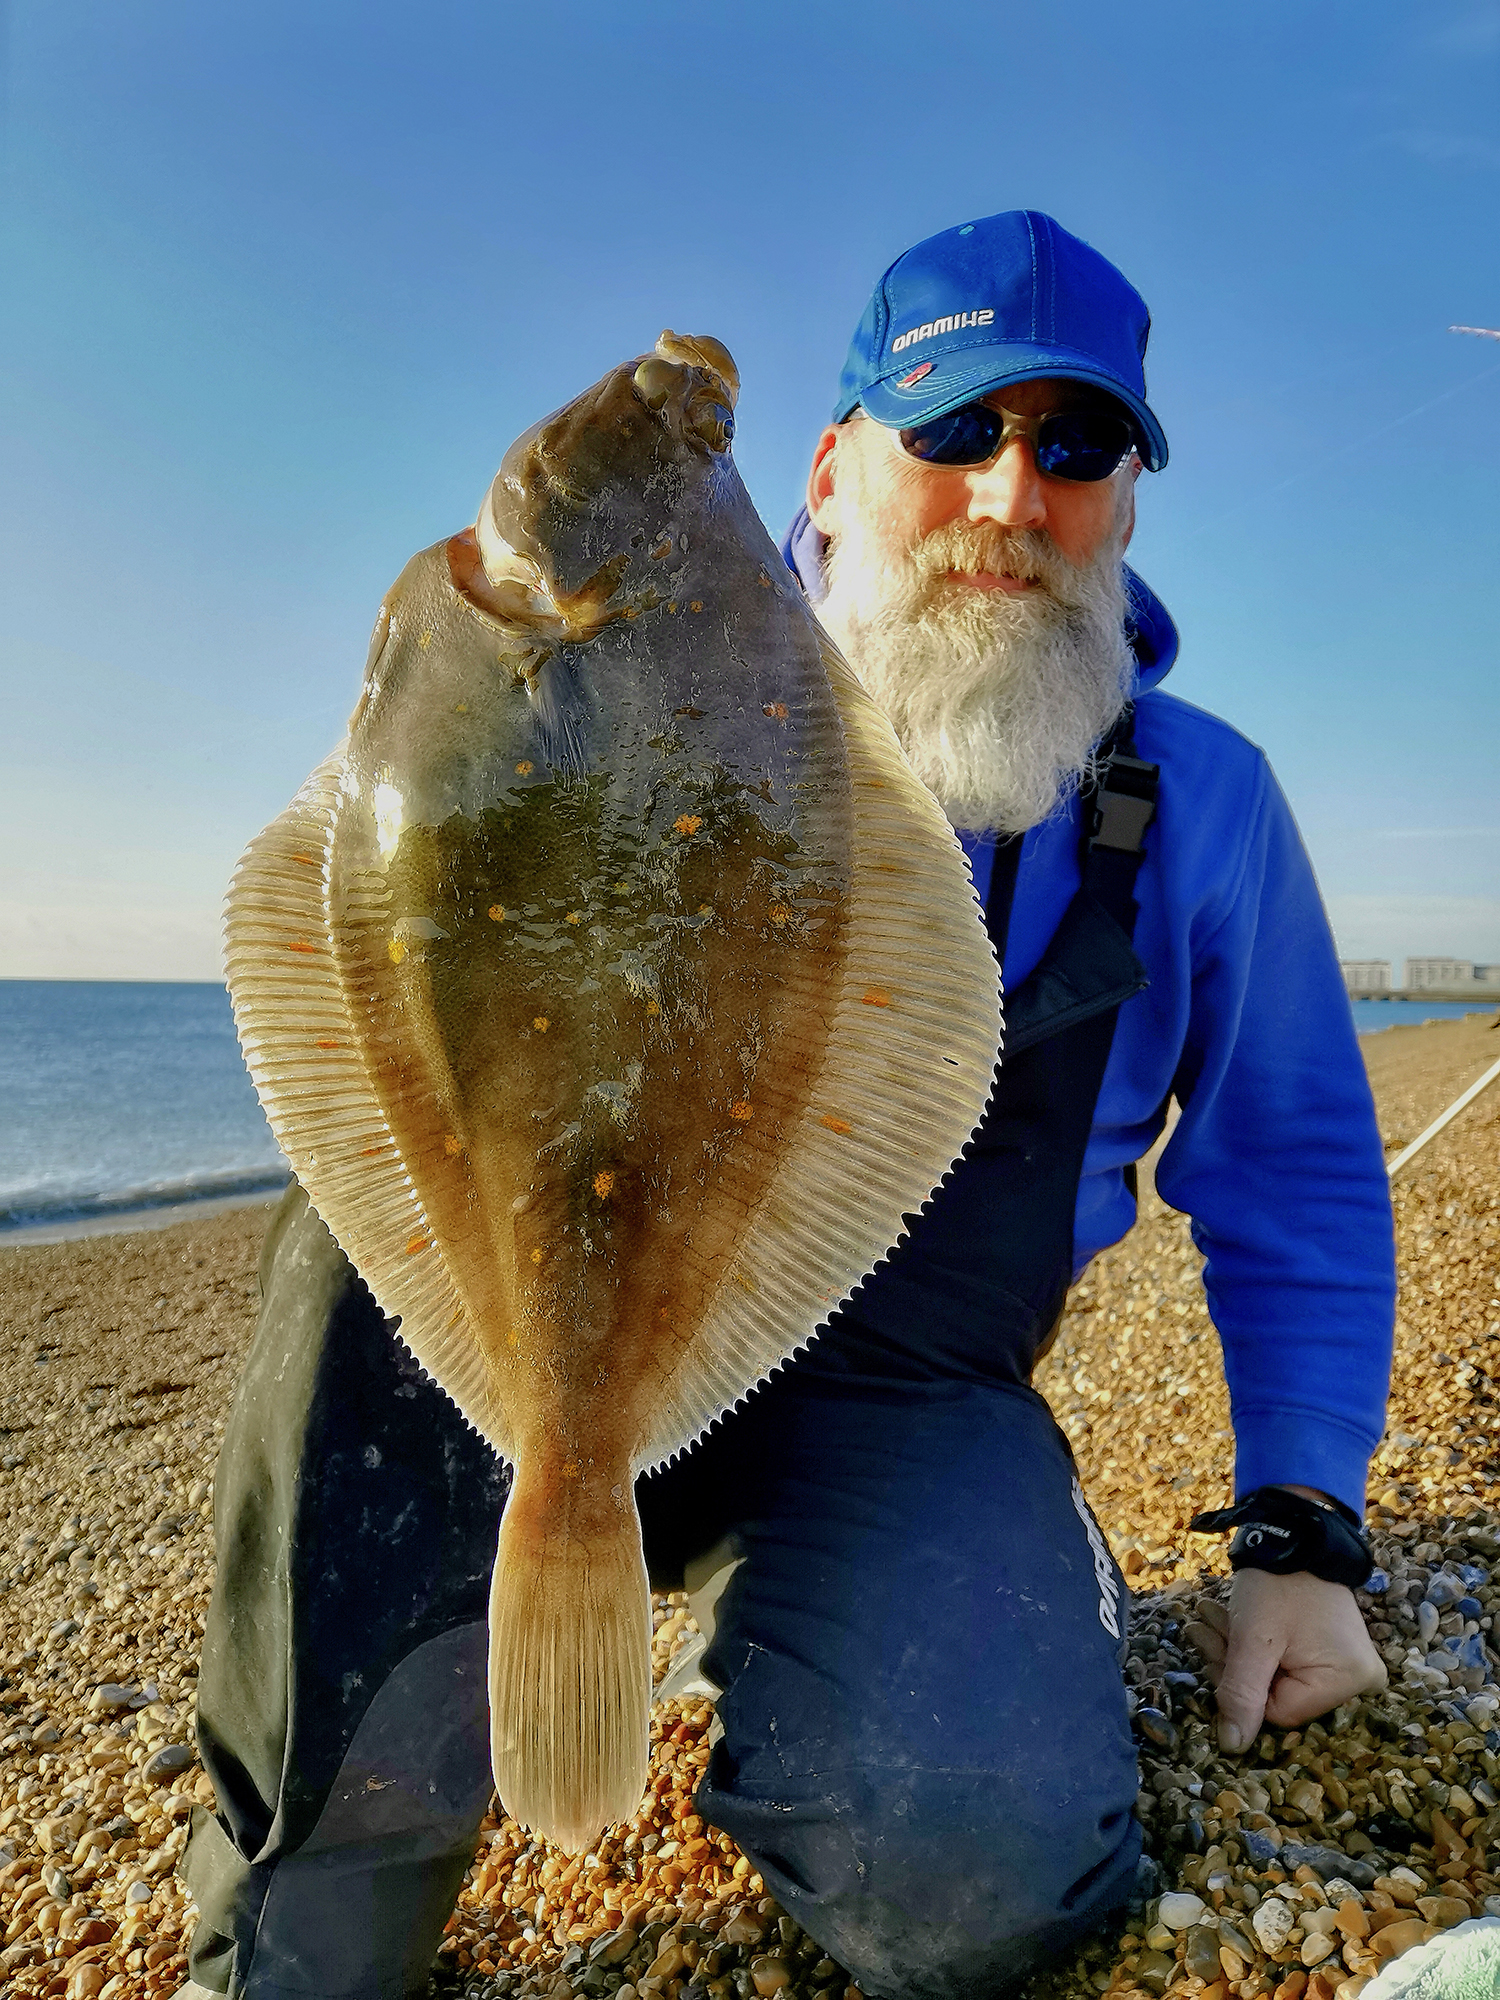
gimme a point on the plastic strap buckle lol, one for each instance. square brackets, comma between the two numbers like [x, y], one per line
[1124, 805]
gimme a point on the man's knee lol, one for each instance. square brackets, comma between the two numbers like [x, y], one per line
[936, 1885]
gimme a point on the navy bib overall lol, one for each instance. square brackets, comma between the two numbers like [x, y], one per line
[925, 1746]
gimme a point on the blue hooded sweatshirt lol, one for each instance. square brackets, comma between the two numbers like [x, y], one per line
[1276, 1156]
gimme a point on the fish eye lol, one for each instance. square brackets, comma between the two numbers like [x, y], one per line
[713, 425]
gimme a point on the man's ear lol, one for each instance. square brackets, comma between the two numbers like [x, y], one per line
[1127, 504]
[822, 501]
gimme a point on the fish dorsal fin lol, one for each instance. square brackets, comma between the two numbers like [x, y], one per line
[299, 1046]
[910, 1061]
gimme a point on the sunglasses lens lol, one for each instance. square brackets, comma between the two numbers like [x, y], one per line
[963, 437]
[1083, 445]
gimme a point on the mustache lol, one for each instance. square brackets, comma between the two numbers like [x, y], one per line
[1027, 553]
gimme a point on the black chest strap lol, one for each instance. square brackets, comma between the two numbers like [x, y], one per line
[1090, 965]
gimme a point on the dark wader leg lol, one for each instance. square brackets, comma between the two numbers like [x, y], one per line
[342, 1709]
[926, 1747]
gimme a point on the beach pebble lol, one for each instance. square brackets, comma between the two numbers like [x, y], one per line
[166, 1762]
[1179, 1910]
[1153, 1971]
[770, 1974]
[1398, 1937]
[1272, 1923]
[1202, 1955]
[112, 1696]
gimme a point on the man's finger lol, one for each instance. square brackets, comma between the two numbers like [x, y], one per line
[1208, 1640]
[1214, 1615]
[1249, 1665]
[1298, 1696]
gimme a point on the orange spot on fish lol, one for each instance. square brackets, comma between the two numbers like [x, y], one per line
[604, 1184]
[763, 580]
[687, 823]
[780, 914]
[460, 708]
[328, 1045]
[497, 913]
[631, 610]
[673, 605]
[575, 917]
[778, 709]
[662, 550]
[396, 950]
[373, 1152]
[538, 1254]
[523, 769]
[705, 909]
[652, 1007]
[301, 944]
[835, 1124]
[418, 1244]
[876, 998]
[541, 1024]
[742, 1112]
[452, 1144]
[426, 639]
[696, 605]
[570, 1468]
[307, 860]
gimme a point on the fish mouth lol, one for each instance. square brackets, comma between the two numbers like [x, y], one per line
[533, 561]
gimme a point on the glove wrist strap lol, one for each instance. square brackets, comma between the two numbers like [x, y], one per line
[1286, 1533]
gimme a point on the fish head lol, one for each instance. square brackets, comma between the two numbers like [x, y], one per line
[592, 509]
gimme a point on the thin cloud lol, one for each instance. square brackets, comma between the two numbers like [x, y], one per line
[1437, 833]
[1450, 149]
[1474, 31]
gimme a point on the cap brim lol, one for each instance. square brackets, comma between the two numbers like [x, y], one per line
[961, 378]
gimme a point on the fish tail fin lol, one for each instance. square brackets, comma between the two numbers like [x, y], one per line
[570, 1662]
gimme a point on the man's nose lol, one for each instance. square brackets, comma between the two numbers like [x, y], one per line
[1009, 491]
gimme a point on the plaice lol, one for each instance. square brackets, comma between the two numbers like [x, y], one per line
[615, 991]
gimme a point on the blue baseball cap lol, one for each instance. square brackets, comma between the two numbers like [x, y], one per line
[1002, 300]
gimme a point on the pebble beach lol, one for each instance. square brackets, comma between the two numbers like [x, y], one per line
[1294, 1871]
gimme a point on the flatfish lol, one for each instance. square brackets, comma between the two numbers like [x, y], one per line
[615, 991]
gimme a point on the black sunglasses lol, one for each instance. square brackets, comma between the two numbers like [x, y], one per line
[1081, 445]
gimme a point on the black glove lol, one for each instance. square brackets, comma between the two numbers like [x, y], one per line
[1284, 1533]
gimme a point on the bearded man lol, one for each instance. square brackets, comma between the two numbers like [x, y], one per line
[916, 1632]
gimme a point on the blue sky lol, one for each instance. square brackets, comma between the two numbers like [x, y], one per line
[288, 278]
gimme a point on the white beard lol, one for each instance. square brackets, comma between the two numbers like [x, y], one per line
[998, 701]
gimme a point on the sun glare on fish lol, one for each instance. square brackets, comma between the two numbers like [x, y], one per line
[387, 804]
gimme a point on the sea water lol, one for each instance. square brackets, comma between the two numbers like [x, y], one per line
[120, 1098]
[117, 1098]
[1370, 1016]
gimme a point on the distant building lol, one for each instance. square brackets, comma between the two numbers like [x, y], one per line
[1366, 975]
[1427, 972]
[1460, 974]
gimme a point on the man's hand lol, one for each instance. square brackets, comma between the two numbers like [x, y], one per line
[1287, 1649]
